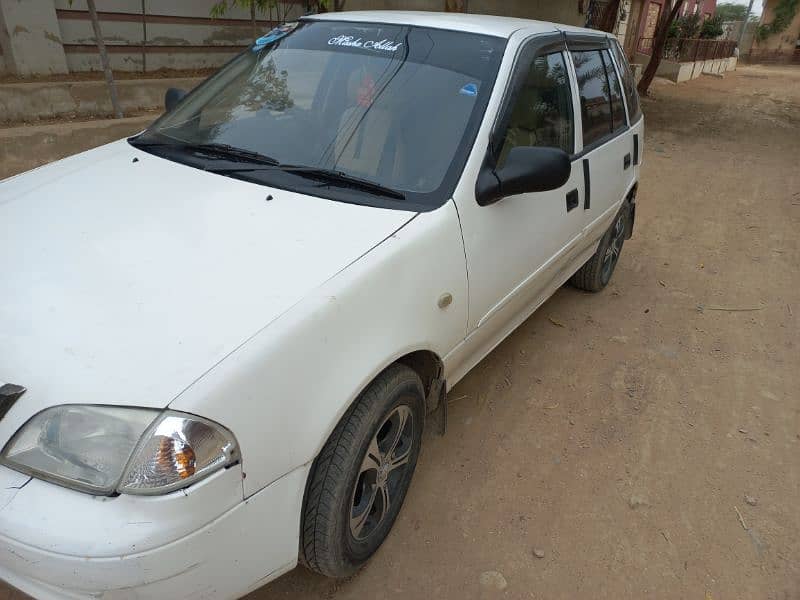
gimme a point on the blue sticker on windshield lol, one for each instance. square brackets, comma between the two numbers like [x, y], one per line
[471, 89]
[273, 35]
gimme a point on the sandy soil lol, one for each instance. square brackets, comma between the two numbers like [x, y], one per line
[650, 447]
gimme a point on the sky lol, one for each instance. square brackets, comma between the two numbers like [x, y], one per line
[756, 5]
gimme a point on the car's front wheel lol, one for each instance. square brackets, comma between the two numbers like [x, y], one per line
[359, 480]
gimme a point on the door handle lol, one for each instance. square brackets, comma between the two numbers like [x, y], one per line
[572, 199]
[626, 161]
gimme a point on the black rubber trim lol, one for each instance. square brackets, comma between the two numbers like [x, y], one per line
[635, 149]
[626, 162]
[587, 182]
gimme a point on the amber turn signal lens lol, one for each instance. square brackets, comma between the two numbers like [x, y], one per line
[179, 450]
[175, 456]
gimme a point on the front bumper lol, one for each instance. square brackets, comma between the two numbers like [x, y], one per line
[203, 542]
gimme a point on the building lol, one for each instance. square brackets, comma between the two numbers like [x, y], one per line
[644, 17]
[783, 46]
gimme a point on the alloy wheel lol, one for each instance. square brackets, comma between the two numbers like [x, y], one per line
[614, 248]
[381, 472]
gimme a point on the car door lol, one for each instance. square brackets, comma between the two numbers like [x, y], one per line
[518, 246]
[606, 146]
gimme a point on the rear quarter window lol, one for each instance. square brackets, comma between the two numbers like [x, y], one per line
[628, 83]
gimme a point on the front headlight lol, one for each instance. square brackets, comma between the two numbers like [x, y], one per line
[108, 449]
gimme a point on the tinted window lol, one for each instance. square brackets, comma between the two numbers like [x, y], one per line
[628, 82]
[395, 105]
[542, 115]
[617, 105]
[595, 97]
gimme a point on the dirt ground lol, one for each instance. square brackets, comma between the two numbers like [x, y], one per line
[650, 446]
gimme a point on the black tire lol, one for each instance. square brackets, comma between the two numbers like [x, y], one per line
[338, 534]
[595, 274]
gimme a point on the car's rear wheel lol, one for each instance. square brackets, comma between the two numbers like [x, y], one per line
[360, 479]
[595, 274]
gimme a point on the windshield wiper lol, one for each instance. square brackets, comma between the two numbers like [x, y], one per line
[342, 178]
[225, 151]
[231, 153]
[328, 175]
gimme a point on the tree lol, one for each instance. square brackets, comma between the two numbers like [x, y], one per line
[712, 28]
[669, 12]
[322, 6]
[104, 60]
[686, 27]
[728, 11]
[223, 6]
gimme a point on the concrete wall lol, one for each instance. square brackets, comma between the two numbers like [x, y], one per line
[30, 101]
[30, 39]
[779, 43]
[176, 35]
[558, 11]
[53, 36]
[733, 29]
[686, 71]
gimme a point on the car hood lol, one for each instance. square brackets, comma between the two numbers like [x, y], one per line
[124, 277]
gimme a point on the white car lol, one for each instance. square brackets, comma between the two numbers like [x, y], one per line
[220, 338]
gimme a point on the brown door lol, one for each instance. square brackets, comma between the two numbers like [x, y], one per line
[651, 22]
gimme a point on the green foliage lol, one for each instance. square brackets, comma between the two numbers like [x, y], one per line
[728, 11]
[783, 15]
[687, 26]
[712, 28]
[320, 6]
[269, 89]
[223, 6]
[263, 6]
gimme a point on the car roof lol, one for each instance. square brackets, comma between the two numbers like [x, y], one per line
[472, 23]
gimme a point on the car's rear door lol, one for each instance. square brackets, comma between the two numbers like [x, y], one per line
[606, 146]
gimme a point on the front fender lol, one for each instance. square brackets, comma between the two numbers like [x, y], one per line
[283, 391]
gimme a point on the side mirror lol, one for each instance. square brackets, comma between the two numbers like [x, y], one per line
[527, 169]
[173, 97]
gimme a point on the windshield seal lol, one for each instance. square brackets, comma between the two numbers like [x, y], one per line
[158, 143]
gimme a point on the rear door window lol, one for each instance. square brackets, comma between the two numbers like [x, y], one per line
[595, 96]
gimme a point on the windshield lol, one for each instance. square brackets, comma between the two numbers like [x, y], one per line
[397, 106]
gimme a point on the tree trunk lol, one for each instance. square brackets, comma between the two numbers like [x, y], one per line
[253, 18]
[101, 48]
[668, 15]
[609, 20]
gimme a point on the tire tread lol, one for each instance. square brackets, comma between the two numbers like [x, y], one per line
[317, 550]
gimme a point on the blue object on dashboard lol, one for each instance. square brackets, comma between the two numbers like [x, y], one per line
[471, 89]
